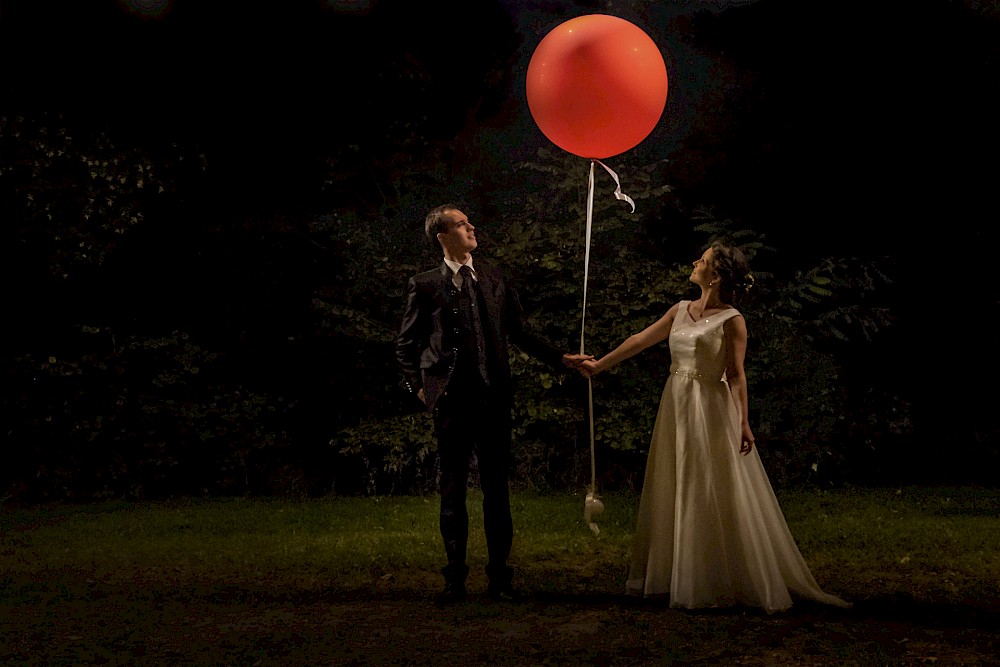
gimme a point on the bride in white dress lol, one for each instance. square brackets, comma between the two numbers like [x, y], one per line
[710, 532]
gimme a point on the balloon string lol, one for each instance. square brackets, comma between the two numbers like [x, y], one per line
[621, 196]
[593, 462]
[586, 254]
[583, 320]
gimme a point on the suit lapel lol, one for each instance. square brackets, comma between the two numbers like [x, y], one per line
[445, 272]
[447, 284]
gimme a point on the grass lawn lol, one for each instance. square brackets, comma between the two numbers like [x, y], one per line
[338, 581]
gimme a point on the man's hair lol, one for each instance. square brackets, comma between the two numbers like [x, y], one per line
[435, 223]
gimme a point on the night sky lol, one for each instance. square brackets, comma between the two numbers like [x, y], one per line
[879, 114]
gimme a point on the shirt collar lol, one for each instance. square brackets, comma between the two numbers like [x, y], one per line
[455, 266]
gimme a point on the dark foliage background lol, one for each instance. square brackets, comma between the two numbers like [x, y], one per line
[208, 215]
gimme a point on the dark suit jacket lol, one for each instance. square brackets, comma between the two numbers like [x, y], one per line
[432, 332]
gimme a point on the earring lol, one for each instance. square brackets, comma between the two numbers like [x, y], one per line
[712, 284]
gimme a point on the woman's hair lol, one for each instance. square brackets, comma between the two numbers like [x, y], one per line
[733, 269]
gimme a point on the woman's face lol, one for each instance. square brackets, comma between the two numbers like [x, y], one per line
[703, 272]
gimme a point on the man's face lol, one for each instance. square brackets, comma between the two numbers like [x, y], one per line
[460, 239]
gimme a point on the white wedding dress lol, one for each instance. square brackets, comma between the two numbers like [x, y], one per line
[710, 532]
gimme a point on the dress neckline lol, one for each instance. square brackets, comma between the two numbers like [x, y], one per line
[687, 309]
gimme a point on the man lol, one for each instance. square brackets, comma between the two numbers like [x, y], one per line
[453, 351]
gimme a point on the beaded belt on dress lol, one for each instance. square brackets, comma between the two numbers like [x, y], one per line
[693, 374]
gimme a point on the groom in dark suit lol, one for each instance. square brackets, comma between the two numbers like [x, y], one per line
[452, 348]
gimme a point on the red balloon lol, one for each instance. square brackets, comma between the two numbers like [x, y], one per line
[597, 85]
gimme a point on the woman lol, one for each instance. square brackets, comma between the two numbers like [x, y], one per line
[710, 532]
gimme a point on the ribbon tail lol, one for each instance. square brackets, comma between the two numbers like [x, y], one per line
[619, 195]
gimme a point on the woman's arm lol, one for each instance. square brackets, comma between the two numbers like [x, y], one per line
[735, 329]
[633, 345]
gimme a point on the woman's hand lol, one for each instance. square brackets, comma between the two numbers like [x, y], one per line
[588, 368]
[746, 440]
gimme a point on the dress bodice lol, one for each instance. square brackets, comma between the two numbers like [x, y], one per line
[697, 347]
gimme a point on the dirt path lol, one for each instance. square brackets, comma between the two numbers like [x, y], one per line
[241, 626]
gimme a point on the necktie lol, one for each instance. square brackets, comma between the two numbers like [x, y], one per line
[470, 291]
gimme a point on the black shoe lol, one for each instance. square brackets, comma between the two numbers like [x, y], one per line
[503, 593]
[453, 593]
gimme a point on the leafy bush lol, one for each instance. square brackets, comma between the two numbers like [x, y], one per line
[120, 408]
[136, 418]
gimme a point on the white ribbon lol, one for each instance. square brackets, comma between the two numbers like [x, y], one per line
[621, 196]
[592, 506]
